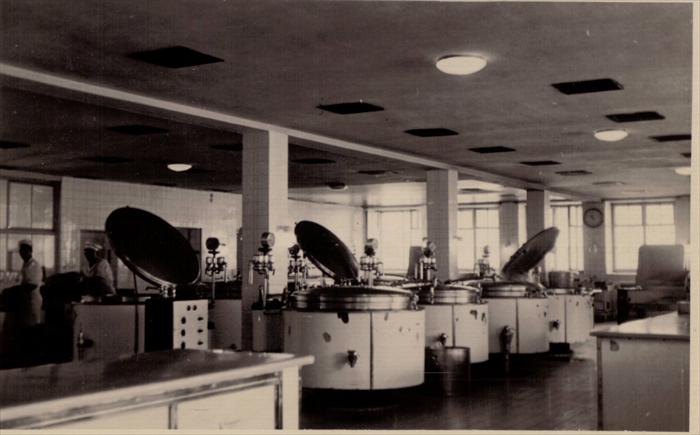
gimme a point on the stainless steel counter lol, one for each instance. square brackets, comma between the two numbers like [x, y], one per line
[644, 374]
[56, 395]
[671, 326]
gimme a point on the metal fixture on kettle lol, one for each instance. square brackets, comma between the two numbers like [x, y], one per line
[264, 265]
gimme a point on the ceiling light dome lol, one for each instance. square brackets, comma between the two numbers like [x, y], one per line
[460, 65]
[179, 167]
[610, 135]
[683, 170]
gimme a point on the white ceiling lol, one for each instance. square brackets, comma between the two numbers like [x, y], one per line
[282, 59]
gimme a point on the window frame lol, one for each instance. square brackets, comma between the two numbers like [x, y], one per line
[475, 250]
[54, 231]
[571, 229]
[643, 205]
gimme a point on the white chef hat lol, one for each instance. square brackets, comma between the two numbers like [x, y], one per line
[94, 246]
[25, 242]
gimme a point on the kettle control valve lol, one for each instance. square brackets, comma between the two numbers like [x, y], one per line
[263, 264]
[370, 265]
[352, 357]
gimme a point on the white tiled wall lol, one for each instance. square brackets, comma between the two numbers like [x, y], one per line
[85, 205]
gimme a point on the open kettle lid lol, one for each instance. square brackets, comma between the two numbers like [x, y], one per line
[151, 247]
[326, 251]
[530, 253]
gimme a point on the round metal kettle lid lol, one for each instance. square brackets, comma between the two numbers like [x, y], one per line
[351, 298]
[530, 254]
[450, 294]
[508, 289]
[151, 247]
[326, 251]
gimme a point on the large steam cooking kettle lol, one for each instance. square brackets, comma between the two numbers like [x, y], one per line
[335, 260]
[354, 331]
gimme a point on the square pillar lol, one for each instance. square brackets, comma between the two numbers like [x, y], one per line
[594, 245]
[265, 196]
[538, 216]
[441, 193]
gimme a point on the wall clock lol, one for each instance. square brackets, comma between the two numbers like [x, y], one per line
[593, 217]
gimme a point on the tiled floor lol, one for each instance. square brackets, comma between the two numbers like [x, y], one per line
[539, 393]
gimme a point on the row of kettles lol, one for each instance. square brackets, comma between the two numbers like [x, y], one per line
[368, 331]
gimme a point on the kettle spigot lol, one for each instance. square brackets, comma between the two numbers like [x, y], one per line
[352, 358]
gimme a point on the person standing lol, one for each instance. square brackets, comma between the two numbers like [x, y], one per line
[99, 277]
[24, 312]
[30, 281]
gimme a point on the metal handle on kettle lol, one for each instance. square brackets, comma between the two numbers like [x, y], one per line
[442, 338]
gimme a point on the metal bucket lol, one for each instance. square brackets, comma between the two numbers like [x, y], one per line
[562, 279]
[447, 370]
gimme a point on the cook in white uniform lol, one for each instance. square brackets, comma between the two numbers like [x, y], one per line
[99, 278]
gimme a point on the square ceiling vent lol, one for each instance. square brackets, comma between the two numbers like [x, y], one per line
[9, 145]
[587, 86]
[174, 57]
[137, 129]
[350, 108]
[540, 163]
[431, 132]
[491, 150]
[635, 116]
[671, 137]
[574, 173]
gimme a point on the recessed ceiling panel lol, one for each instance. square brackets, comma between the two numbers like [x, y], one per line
[350, 108]
[8, 144]
[540, 163]
[587, 86]
[574, 173]
[635, 116]
[109, 160]
[431, 132]
[137, 129]
[492, 150]
[671, 137]
[175, 57]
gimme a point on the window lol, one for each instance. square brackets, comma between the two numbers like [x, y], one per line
[396, 231]
[478, 227]
[568, 252]
[27, 211]
[634, 225]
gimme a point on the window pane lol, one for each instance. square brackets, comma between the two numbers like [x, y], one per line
[488, 237]
[627, 214]
[465, 218]
[627, 243]
[626, 259]
[487, 218]
[42, 207]
[660, 214]
[3, 205]
[661, 235]
[20, 209]
[522, 224]
[466, 250]
[561, 218]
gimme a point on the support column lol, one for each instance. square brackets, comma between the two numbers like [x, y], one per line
[508, 227]
[538, 216]
[265, 193]
[594, 245]
[441, 193]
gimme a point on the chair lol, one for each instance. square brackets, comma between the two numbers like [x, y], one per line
[659, 284]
